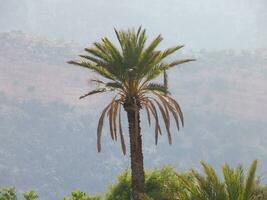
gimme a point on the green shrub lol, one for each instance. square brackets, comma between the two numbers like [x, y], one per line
[163, 184]
[167, 184]
[8, 193]
[79, 195]
[260, 192]
[160, 184]
[31, 195]
[121, 189]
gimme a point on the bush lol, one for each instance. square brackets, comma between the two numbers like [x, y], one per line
[79, 195]
[160, 184]
[31, 195]
[8, 194]
[167, 184]
[121, 189]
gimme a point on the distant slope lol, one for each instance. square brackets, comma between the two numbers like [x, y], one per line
[47, 135]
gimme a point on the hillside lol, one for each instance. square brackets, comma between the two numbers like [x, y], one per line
[47, 135]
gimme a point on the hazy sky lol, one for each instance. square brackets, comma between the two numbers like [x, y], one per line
[211, 24]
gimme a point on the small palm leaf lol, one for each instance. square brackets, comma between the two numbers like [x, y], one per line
[234, 181]
[170, 51]
[98, 62]
[114, 85]
[155, 87]
[121, 135]
[148, 115]
[165, 81]
[153, 110]
[115, 113]
[178, 62]
[101, 90]
[177, 107]
[100, 127]
[98, 69]
[170, 108]
[250, 181]
[110, 117]
[166, 120]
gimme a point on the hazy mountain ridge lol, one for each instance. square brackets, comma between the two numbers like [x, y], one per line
[212, 24]
[47, 135]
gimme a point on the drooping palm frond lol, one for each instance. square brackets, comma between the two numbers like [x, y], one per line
[165, 81]
[166, 105]
[112, 110]
[128, 71]
[123, 146]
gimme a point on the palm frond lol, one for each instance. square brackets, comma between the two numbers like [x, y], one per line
[178, 62]
[166, 120]
[96, 91]
[155, 71]
[97, 81]
[98, 62]
[100, 127]
[115, 114]
[149, 104]
[155, 87]
[114, 52]
[98, 69]
[170, 51]
[165, 81]
[250, 181]
[170, 108]
[234, 182]
[110, 118]
[114, 85]
[177, 107]
[99, 51]
[210, 174]
[149, 51]
[148, 115]
[123, 147]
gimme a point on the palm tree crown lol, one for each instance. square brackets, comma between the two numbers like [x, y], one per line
[129, 71]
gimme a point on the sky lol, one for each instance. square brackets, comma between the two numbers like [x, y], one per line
[199, 24]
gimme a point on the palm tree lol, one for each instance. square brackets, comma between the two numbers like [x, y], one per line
[129, 72]
[236, 185]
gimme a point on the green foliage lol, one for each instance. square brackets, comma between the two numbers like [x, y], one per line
[260, 192]
[121, 189]
[235, 186]
[8, 194]
[31, 195]
[128, 70]
[160, 184]
[79, 195]
[166, 184]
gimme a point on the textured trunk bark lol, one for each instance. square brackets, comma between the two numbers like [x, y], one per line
[137, 165]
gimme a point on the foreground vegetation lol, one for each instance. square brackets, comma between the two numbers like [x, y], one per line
[167, 184]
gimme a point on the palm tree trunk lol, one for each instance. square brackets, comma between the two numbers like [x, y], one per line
[137, 165]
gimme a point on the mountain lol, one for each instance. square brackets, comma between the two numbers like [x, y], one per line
[48, 136]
